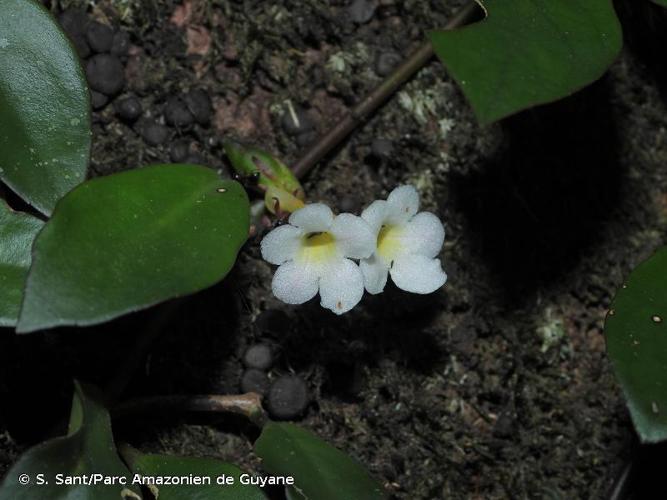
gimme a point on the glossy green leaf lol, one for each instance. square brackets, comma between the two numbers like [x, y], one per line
[44, 106]
[660, 2]
[124, 242]
[17, 232]
[529, 52]
[636, 331]
[87, 450]
[225, 479]
[320, 471]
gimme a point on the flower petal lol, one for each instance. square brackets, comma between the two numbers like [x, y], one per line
[418, 274]
[342, 286]
[294, 283]
[375, 215]
[281, 244]
[375, 271]
[402, 204]
[424, 234]
[354, 236]
[313, 218]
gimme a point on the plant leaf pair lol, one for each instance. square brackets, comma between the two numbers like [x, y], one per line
[87, 449]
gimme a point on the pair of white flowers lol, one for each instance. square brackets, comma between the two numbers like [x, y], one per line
[315, 252]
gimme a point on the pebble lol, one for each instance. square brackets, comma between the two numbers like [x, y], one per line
[255, 381]
[129, 108]
[105, 74]
[97, 100]
[120, 45]
[362, 11]
[195, 159]
[302, 124]
[99, 37]
[80, 45]
[306, 139]
[153, 133]
[179, 151]
[258, 356]
[382, 148]
[73, 21]
[348, 204]
[176, 113]
[288, 397]
[386, 62]
[273, 321]
[199, 104]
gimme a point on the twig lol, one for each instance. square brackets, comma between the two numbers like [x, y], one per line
[364, 109]
[248, 405]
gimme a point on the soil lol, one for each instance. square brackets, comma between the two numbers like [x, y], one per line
[496, 386]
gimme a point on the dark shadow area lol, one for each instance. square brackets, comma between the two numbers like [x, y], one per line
[641, 478]
[542, 202]
[645, 35]
[189, 356]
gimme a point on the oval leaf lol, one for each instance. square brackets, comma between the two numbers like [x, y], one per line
[320, 471]
[124, 242]
[17, 232]
[88, 449]
[636, 331]
[156, 466]
[527, 53]
[44, 105]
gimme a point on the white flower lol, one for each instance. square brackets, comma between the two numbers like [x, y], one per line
[314, 252]
[407, 244]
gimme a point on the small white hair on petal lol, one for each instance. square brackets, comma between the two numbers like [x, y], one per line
[353, 235]
[402, 203]
[281, 244]
[375, 214]
[294, 283]
[375, 272]
[418, 273]
[316, 217]
[425, 234]
[342, 286]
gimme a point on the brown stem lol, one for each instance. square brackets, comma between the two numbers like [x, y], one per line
[248, 405]
[364, 109]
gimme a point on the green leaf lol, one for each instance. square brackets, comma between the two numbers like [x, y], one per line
[663, 3]
[88, 449]
[636, 331]
[124, 242]
[218, 473]
[17, 232]
[44, 106]
[320, 471]
[529, 52]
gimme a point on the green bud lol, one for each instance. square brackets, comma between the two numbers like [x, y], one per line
[275, 178]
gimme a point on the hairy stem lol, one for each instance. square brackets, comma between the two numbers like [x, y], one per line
[248, 405]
